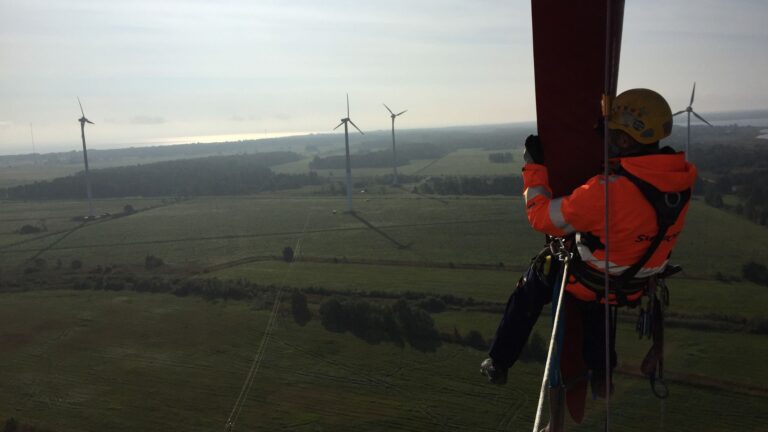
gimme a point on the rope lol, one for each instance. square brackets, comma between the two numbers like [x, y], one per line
[606, 174]
[259, 356]
[566, 258]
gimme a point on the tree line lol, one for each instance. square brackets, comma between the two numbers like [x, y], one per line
[736, 170]
[382, 158]
[217, 175]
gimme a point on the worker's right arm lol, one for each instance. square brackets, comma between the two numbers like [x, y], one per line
[580, 211]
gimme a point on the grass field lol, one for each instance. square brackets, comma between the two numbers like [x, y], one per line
[127, 361]
[92, 360]
[459, 162]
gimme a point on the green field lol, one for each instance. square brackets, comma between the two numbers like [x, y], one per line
[127, 361]
[94, 360]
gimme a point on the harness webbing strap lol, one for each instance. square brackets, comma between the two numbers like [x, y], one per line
[667, 211]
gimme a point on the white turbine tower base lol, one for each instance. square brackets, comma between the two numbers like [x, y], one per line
[394, 151]
[344, 122]
[83, 120]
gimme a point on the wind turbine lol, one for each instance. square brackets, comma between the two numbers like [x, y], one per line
[83, 120]
[344, 122]
[34, 152]
[394, 151]
[690, 111]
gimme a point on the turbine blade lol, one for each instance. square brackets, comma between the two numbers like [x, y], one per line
[679, 112]
[693, 92]
[390, 111]
[81, 106]
[700, 118]
[401, 112]
[353, 124]
[338, 126]
[347, 105]
[88, 121]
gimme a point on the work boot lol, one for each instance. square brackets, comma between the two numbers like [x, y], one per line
[495, 375]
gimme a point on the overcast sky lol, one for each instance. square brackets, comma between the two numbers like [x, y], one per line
[149, 71]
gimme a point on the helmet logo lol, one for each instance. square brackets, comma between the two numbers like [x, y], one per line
[648, 133]
[667, 128]
[638, 125]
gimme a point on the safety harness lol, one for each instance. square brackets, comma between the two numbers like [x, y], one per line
[667, 206]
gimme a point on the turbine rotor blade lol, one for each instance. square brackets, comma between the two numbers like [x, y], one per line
[88, 121]
[401, 112]
[679, 112]
[693, 92]
[353, 124]
[338, 126]
[390, 111]
[700, 118]
[347, 105]
[81, 106]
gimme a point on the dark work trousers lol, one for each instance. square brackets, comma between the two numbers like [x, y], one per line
[522, 311]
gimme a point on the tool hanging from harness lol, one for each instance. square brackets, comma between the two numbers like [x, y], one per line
[667, 206]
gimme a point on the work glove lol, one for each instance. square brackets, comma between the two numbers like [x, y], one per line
[533, 151]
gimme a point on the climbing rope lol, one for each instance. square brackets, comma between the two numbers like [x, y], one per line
[563, 255]
[606, 178]
[259, 356]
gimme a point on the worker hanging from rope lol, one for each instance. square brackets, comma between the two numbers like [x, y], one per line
[649, 190]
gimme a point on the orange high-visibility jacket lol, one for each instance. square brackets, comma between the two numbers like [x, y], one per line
[632, 219]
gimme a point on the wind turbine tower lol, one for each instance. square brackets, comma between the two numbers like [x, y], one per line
[83, 120]
[394, 151]
[690, 111]
[34, 152]
[344, 122]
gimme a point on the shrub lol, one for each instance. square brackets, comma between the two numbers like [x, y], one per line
[475, 340]
[288, 254]
[29, 229]
[332, 315]
[755, 272]
[432, 304]
[152, 262]
[299, 308]
[76, 264]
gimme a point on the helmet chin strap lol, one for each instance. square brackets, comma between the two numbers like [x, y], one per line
[615, 151]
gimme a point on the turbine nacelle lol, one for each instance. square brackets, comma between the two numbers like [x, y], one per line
[689, 108]
[392, 115]
[83, 120]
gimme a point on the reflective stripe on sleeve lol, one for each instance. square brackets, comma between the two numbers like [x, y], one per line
[532, 192]
[556, 216]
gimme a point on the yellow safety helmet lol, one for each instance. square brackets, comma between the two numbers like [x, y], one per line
[643, 114]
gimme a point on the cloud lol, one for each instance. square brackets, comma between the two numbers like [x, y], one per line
[148, 120]
[237, 118]
[5, 124]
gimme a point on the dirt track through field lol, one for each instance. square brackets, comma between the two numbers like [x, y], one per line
[254, 235]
